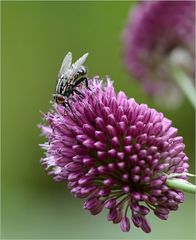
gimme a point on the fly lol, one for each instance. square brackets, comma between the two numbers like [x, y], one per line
[70, 76]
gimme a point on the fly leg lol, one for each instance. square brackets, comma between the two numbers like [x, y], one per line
[82, 80]
[77, 83]
[79, 93]
[70, 108]
[86, 83]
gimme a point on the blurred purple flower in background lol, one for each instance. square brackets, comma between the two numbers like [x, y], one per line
[160, 34]
[116, 154]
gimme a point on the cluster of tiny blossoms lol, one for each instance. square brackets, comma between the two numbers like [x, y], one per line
[160, 34]
[116, 154]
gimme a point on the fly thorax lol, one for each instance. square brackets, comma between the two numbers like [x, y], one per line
[61, 85]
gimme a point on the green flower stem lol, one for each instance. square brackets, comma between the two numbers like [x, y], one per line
[181, 184]
[185, 83]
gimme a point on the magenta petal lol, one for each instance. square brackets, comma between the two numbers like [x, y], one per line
[125, 224]
[145, 225]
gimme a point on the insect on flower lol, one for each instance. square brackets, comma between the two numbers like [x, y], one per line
[69, 77]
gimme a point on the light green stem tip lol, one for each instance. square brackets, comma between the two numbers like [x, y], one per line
[181, 184]
[185, 84]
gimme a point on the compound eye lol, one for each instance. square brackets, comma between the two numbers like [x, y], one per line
[60, 100]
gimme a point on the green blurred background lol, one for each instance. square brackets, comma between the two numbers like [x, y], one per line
[35, 38]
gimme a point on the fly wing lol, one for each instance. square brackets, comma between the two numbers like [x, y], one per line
[79, 62]
[66, 64]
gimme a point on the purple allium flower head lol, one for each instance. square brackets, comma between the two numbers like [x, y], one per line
[116, 154]
[160, 34]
